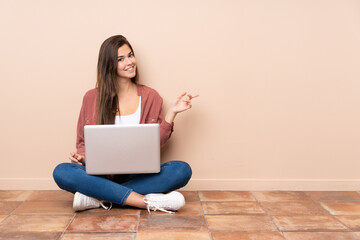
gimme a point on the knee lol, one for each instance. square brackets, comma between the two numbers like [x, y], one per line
[182, 170]
[60, 173]
[58, 170]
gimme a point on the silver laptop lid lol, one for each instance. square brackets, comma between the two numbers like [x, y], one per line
[122, 149]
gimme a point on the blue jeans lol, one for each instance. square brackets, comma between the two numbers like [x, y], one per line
[73, 178]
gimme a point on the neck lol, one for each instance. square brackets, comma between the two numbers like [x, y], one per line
[125, 85]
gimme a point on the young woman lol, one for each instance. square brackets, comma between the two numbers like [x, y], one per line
[119, 99]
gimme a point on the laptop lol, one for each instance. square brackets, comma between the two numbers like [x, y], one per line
[122, 149]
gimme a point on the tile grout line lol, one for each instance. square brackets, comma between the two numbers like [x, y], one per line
[138, 224]
[334, 216]
[267, 214]
[67, 225]
[10, 214]
[23, 202]
[203, 214]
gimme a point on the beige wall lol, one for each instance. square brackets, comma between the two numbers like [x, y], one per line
[279, 83]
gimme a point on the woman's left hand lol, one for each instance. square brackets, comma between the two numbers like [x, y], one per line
[182, 103]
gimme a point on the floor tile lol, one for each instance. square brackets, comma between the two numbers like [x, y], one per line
[92, 223]
[225, 196]
[151, 223]
[112, 211]
[232, 208]
[6, 207]
[31, 235]
[333, 196]
[14, 195]
[190, 196]
[280, 196]
[173, 236]
[353, 222]
[51, 195]
[293, 208]
[308, 223]
[16, 223]
[2, 217]
[229, 215]
[45, 208]
[240, 223]
[98, 236]
[342, 208]
[320, 236]
[247, 236]
[190, 209]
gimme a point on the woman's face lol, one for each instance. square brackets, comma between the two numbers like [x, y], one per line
[126, 67]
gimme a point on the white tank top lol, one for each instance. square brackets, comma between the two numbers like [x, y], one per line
[130, 119]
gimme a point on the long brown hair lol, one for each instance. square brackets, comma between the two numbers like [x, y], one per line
[106, 84]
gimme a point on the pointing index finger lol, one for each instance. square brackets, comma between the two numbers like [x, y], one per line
[196, 95]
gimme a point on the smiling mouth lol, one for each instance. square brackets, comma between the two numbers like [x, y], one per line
[130, 69]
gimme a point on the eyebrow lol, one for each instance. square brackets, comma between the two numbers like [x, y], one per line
[127, 54]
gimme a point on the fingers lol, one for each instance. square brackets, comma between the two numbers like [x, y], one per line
[72, 157]
[76, 158]
[73, 160]
[190, 96]
[194, 96]
[183, 94]
[183, 102]
[188, 99]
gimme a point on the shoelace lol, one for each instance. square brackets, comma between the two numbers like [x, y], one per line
[153, 205]
[105, 207]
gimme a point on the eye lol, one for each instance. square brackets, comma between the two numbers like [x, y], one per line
[131, 54]
[120, 59]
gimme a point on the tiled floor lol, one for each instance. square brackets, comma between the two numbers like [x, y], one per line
[216, 215]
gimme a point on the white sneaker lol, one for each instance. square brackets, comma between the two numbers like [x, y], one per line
[82, 202]
[164, 202]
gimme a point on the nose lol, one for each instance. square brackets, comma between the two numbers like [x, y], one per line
[129, 61]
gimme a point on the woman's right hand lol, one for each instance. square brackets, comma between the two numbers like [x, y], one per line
[77, 158]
